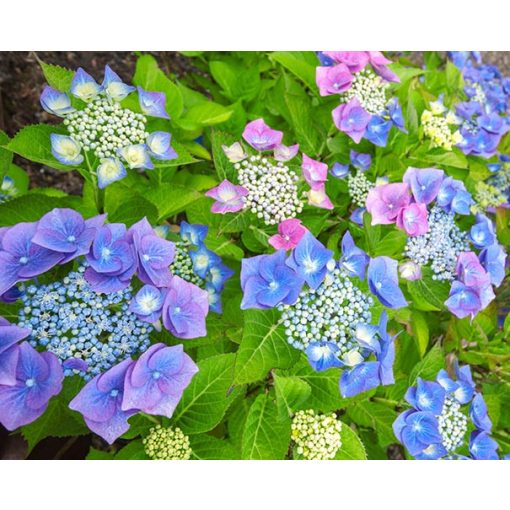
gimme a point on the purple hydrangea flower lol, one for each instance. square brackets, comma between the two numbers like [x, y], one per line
[413, 219]
[100, 401]
[10, 335]
[453, 196]
[268, 281]
[21, 259]
[360, 160]
[112, 259]
[185, 309]
[65, 231]
[378, 130]
[56, 102]
[310, 260]
[228, 196]
[482, 232]
[154, 254]
[340, 171]
[466, 301]
[260, 136]
[289, 234]
[352, 119]
[383, 282]
[493, 259]
[314, 171]
[354, 60]
[424, 183]
[333, 79]
[38, 378]
[470, 271]
[159, 146]
[385, 202]
[409, 270]
[285, 153]
[380, 65]
[155, 383]
[318, 197]
[153, 103]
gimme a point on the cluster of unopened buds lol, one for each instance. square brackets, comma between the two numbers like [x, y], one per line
[441, 126]
[435, 238]
[107, 136]
[361, 79]
[167, 444]
[268, 187]
[316, 436]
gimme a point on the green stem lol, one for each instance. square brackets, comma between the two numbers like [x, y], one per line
[98, 193]
[386, 401]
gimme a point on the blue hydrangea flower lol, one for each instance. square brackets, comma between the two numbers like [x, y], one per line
[159, 146]
[310, 260]
[110, 170]
[114, 87]
[56, 102]
[83, 86]
[194, 234]
[360, 160]
[136, 156]
[340, 171]
[396, 115]
[66, 150]
[424, 183]
[267, 281]
[147, 304]
[38, 377]
[453, 196]
[353, 260]
[323, 355]
[437, 425]
[378, 130]
[153, 103]
[383, 282]
[363, 377]
[493, 259]
[100, 401]
[482, 232]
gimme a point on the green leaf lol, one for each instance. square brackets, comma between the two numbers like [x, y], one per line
[5, 155]
[209, 395]
[150, 77]
[300, 63]
[57, 77]
[206, 113]
[391, 244]
[132, 451]
[352, 448]
[31, 207]
[420, 330]
[205, 447]
[224, 168]
[33, 142]
[171, 198]
[134, 210]
[237, 82]
[99, 455]
[428, 294]
[19, 176]
[291, 392]
[429, 366]
[266, 435]
[376, 416]
[58, 420]
[263, 346]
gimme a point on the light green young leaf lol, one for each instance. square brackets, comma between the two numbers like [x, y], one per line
[291, 392]
[352, 448]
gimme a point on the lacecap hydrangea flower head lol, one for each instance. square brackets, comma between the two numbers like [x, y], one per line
[108, 137]
[484, 116]
[361, 80]
[441, 126]
[266, 183]
[325, 312]
[447, 420]
[122, 284]
[425, 205]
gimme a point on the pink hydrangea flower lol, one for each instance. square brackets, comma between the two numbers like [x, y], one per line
[289, 234]
[354, 60]
[379, 62]
[352, 119]
[470, 271]
[413, 219]
[385, 202]
[228, 196]
[317, 197]
[285, 153]
[314, 171]
[260, 136]
[333, 79]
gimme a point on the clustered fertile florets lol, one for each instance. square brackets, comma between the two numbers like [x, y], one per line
[452, 424]
[167, 444]
[87, 331]
[272, 189]
[103, 127]
[317, 436]
[359, 186]
[183, 264]
[487, 196]
[440, 246]
[328, 314]
[370, 90]
[438, 128]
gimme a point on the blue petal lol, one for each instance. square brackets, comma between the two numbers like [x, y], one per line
[340, 171]
[323, 355]
[114, 86]
[432, 452]
[429, 396]
[383, 282]
[110, 170]
[195, 234]
[84, 86]
[365, 334]
[153, 103]
[66, 150]
[422, 430]
[56, 102]
[478, 413]
[362, 377]
[482, 446]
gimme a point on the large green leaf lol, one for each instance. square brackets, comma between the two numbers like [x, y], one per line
[429, 366]
[376, 416]
[300, 63]
[291, 392]
[236, 81]
[266, 434]
[428, 294]
[263, 346]
[171, 198]
[205, 447]
[352, 448]
[209, 395]
[57, 77]
[5, 155]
